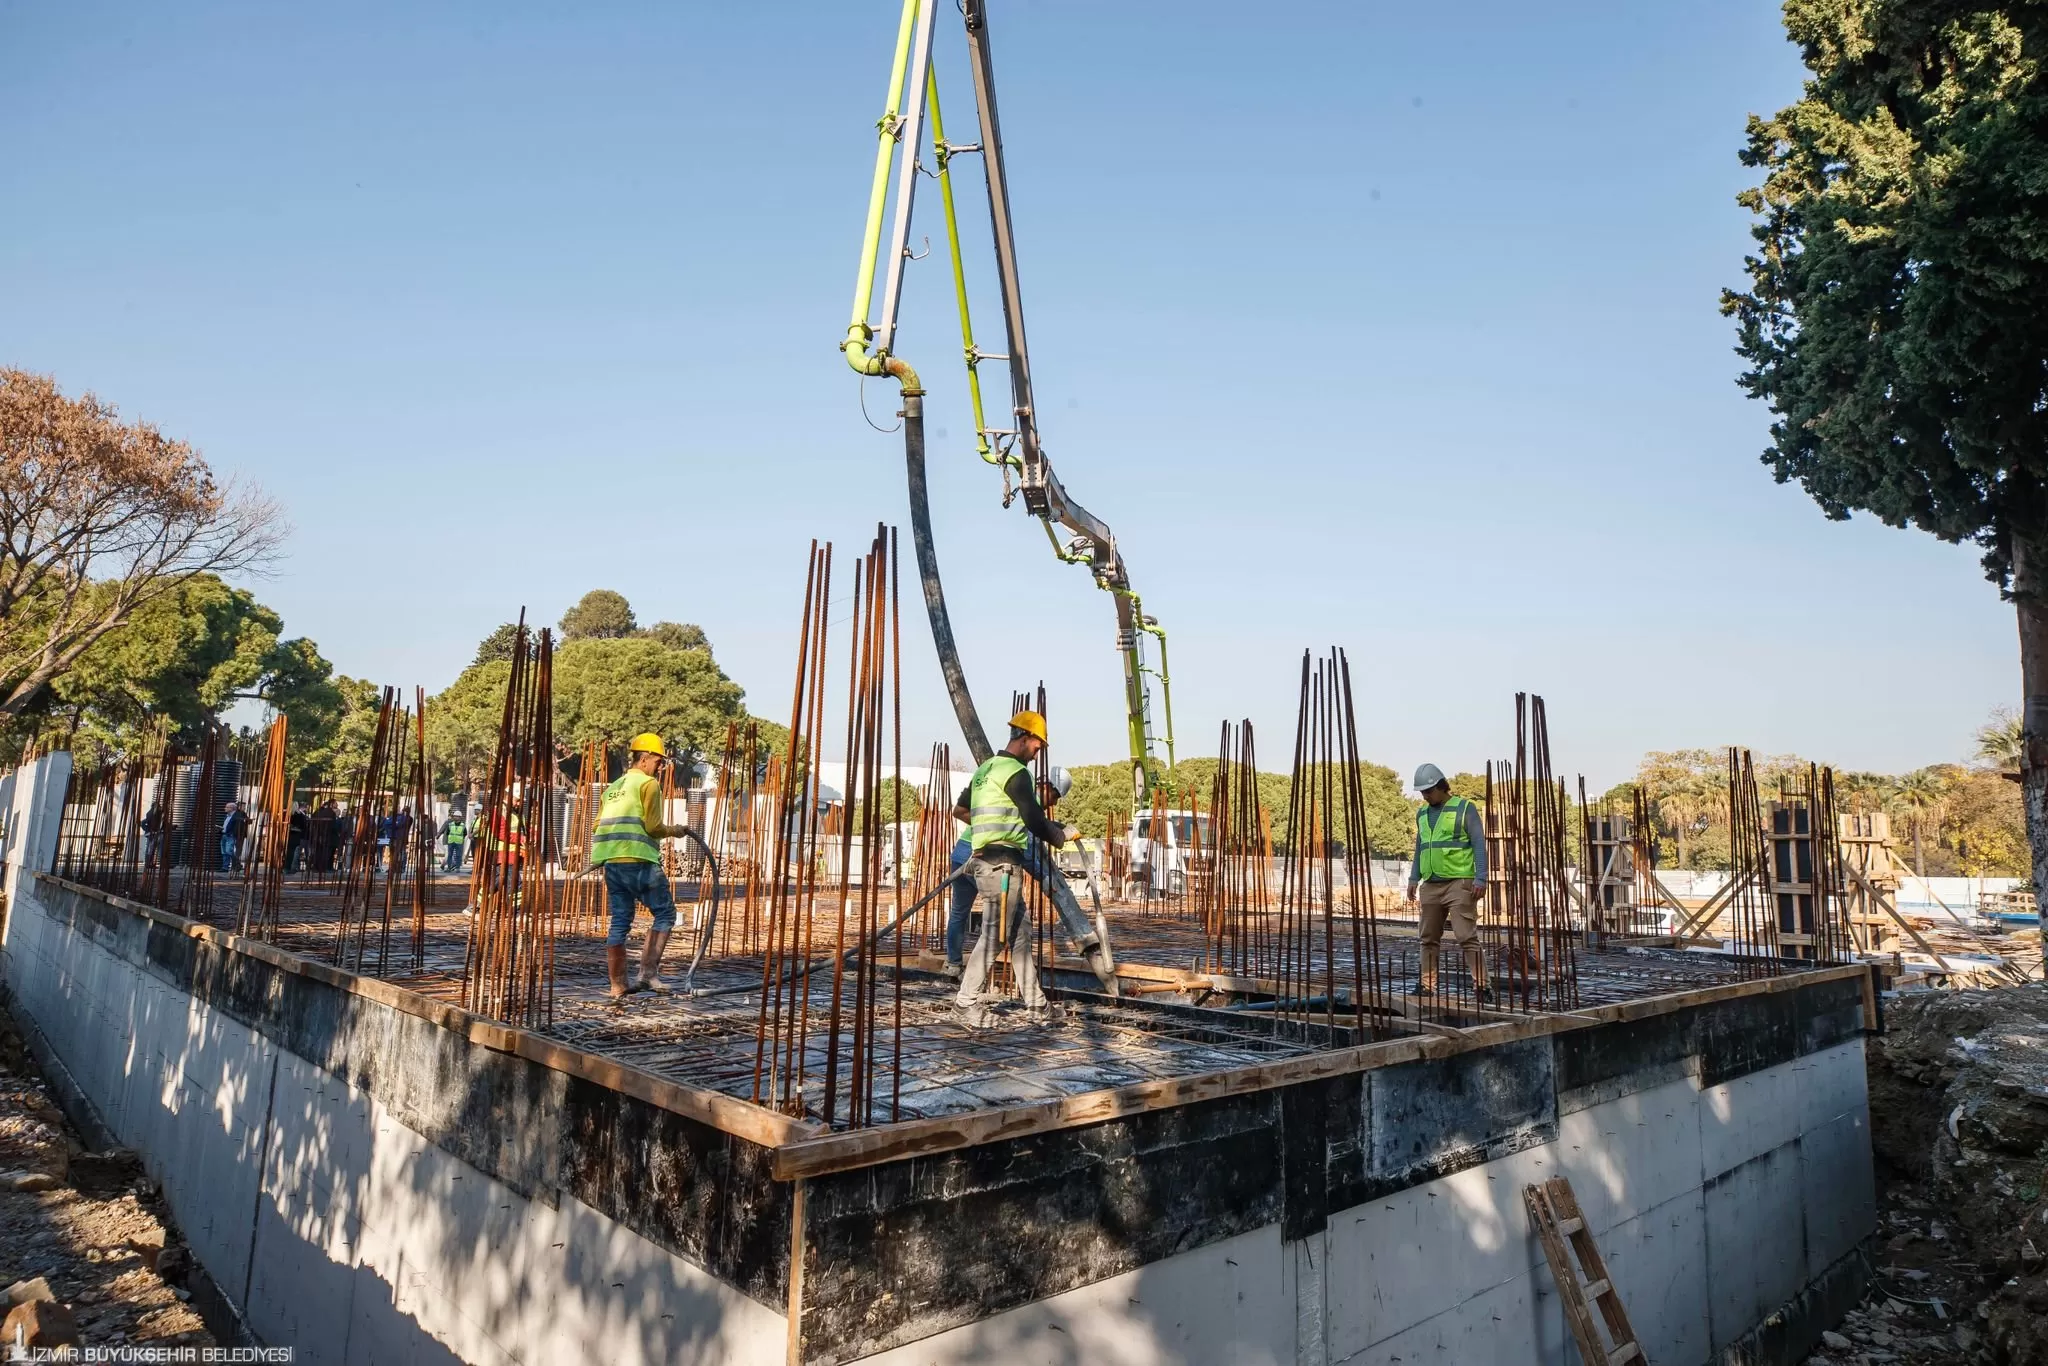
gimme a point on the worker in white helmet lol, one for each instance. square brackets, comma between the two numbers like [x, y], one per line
[1449, 873]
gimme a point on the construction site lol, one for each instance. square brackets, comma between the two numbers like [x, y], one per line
[1202, 1085]
[1205, 1115]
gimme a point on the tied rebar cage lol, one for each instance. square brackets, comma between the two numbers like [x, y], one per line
[1790, 883]
[1237, 907]
[1526, 924]
[1320, 968]
[263, 875]
[820, 1017]
[508, 969]
[390, 838]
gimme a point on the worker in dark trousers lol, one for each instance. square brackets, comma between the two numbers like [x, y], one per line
[1040, 863]
[1450, 874]
[1003, 816]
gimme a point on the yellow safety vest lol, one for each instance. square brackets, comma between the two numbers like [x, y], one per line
[621, 834]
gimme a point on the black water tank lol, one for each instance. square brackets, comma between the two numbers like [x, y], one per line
[227, 782]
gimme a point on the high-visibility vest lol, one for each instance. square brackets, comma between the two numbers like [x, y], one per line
[506, 835]
[1443, 850]
[453, 831]
[993, 820]
[620, 833]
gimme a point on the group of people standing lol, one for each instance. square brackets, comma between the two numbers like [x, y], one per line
[320, 839]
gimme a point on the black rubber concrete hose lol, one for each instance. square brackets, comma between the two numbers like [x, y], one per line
[928, 573]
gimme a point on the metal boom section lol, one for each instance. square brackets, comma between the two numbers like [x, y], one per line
[1016, 449]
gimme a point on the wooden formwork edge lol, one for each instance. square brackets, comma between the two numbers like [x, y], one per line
[912, 1138]
[728, 1114]
[799, 1148]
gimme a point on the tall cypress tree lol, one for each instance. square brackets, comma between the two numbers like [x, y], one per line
[1897, 315]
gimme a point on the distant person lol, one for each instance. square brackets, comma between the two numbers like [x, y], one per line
[322, 823]
[234, 828]
[1450, 873]
[152, 833]
[295, 841]
[401, 839]
[384, 824]
[453, 833]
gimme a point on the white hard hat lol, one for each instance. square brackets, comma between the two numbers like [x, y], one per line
[1056, 778]
[1428, 776]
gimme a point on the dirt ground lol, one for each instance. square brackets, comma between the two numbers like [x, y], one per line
[1959, 1123]
[90, 1227]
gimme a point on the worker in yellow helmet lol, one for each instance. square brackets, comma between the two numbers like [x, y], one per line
[1002, 813]
[625, 841]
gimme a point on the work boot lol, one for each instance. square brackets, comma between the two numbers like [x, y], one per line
[650, 962]
[1475, 963]
[1425, 984]
[980, 1015]
[952, 970]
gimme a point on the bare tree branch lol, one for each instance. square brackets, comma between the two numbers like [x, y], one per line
[97, 518]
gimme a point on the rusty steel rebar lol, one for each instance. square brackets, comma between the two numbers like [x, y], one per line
[509, 959]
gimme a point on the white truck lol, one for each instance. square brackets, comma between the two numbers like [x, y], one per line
[1160, 846]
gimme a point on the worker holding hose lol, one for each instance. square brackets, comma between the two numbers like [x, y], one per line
[1450, 872]
[1039, 863]
[625, 842]
[1003, 817]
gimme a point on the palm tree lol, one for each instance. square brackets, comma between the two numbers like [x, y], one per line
[1924, 795]
[1682, 809]
[1998, 741]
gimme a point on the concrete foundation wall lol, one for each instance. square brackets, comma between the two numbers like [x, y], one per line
[369, 1184]
[1716, 1207]
[332, 1222]
[1719, 1145]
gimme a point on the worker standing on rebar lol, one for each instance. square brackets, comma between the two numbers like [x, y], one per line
[1003, 815]
[1450, 871]
[1041, 863]
[625, 840]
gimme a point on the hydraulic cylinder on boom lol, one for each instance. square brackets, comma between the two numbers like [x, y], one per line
[1077, 535]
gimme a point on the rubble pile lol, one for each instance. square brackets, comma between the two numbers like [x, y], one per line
[1959, 1125]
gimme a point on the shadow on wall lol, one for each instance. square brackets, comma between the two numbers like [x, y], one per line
[341, 1230]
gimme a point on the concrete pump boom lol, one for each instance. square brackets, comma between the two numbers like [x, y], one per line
[869, 348]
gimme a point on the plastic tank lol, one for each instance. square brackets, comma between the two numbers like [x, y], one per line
[227, 783]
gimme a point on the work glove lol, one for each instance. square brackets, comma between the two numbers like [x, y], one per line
[1069, 833]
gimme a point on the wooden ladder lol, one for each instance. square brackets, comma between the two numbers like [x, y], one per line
[1555, 1212]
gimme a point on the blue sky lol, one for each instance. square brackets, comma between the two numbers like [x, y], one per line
[1387, 326]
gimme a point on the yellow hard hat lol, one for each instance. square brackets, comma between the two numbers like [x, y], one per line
[1031, 723]
[647, 742]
